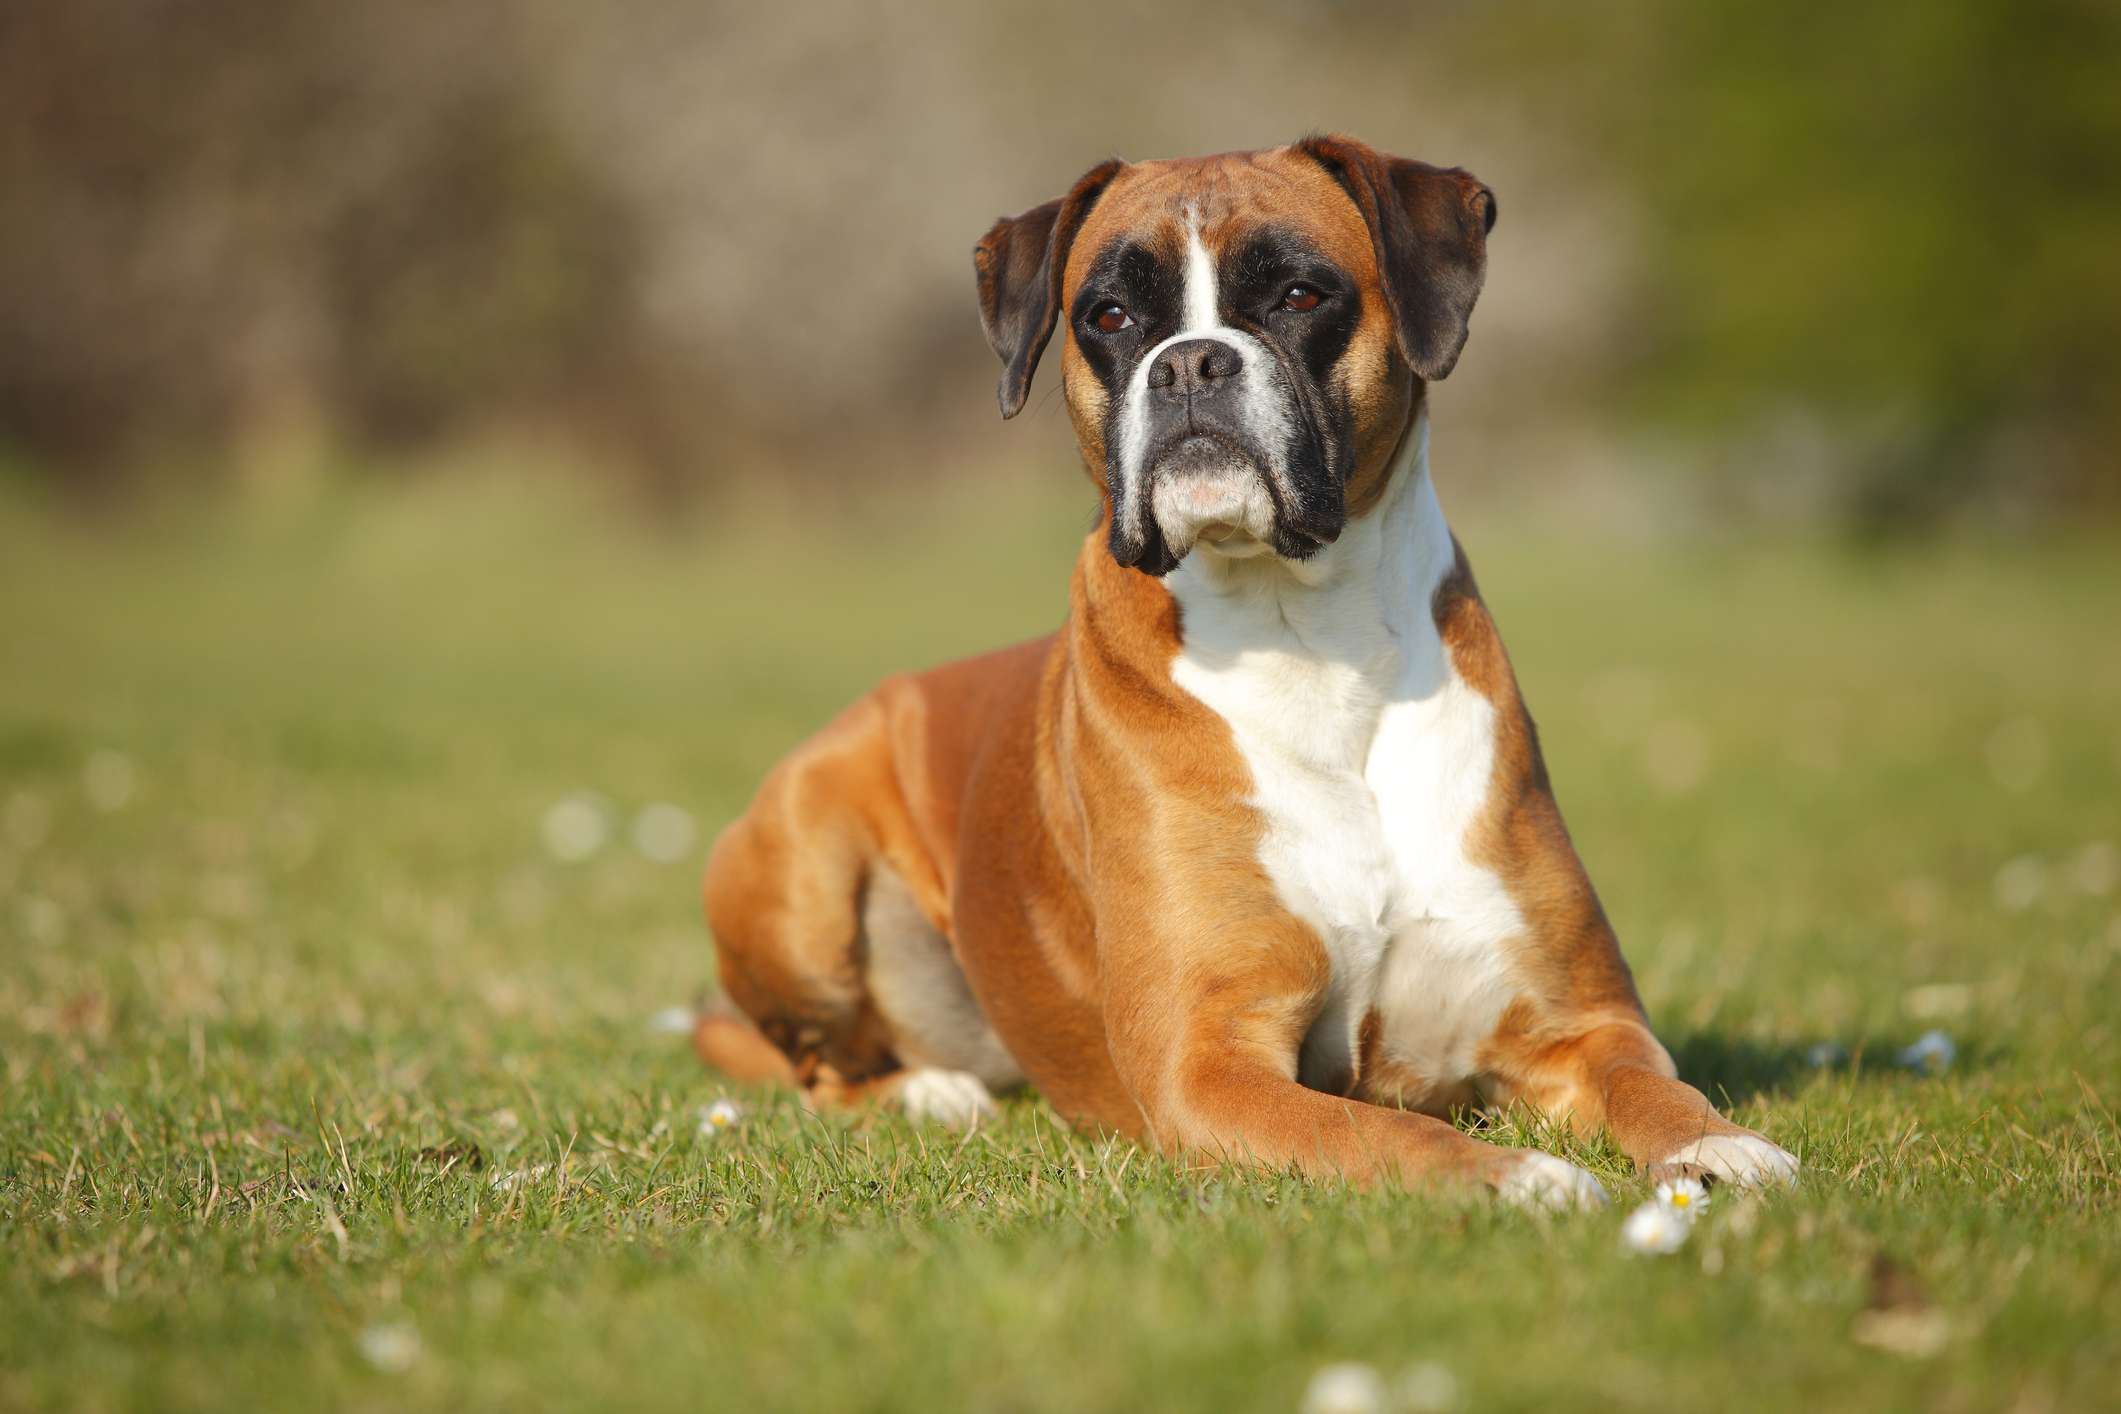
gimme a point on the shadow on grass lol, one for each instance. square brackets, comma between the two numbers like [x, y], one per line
[1736, 1069]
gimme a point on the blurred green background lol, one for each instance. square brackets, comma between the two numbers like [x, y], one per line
[1850, 263]
[449, 451]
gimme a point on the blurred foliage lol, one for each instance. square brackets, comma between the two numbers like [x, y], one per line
[1906, 217]
[217, 217]
[1853, 258]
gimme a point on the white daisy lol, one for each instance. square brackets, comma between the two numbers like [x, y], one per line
[1655, 1229]
[391, 1346]
[1684, 1196]
[2021, 883]
[674, 1020]
[721, 1115]
[664, 832]
[577, 826]
[1932, 1053]
[1345, 1389]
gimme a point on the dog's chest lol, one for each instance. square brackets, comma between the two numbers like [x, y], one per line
[1372, 763]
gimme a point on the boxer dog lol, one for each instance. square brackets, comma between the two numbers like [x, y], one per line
[1255, 859]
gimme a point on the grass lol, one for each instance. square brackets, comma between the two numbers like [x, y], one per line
[275, 1019]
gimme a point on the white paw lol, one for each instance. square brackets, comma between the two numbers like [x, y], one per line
[1543, 1181]
[953, 1097]
[1741, 1160]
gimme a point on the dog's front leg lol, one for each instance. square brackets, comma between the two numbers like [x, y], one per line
[1206, 1041]
[1617, 1075]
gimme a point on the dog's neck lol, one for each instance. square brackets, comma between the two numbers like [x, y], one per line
[1379, 576]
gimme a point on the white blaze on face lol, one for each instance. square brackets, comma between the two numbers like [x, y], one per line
[1200, 283]
[1232, 496]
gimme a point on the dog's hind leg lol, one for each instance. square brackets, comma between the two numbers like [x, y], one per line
[837, 977]
[727, 1041]
[783, 894]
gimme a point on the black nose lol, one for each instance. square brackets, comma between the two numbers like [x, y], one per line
[1194, 366]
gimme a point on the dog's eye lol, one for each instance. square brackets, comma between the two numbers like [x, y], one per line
[1111, 319]
[1301, 298]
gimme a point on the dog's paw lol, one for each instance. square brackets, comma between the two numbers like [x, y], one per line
[1741, 1160]
[1669, 1172]
[1555, 1185]
[956, 1098]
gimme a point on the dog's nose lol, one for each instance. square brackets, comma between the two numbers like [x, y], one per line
[1194, 366]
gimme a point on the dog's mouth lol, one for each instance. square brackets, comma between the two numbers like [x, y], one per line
[1205, 488]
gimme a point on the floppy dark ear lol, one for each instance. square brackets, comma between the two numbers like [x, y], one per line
[1019, 265]
[1430, 226]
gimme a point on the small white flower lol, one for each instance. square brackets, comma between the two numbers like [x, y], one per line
[1932, 1053]
[516, 1178]
[391, 1346]
[576, 827]
[1655, 1230]
[1684, 1196]
[674, 1020]
[2021, 883]
[1345, 1389]
[1824, 1055]
[721, 1115]
[664, 832]
[109, 780]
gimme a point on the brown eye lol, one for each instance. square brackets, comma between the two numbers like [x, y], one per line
[1111, 319]
[1301, 298]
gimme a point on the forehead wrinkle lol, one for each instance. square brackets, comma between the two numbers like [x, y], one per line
[1245, 191]
[1159, 233]
[1223, 197]
[1310, 196]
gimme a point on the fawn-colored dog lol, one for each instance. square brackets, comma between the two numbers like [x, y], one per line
[1255, 858]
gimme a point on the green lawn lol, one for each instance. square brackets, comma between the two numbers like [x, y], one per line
[323, 1081]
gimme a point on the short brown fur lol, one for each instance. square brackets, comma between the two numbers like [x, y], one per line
[1077, 827]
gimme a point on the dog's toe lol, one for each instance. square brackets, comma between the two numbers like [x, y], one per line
[1556, 1185]
[956, 1098]
[1669, 1172]
[1741, 1160]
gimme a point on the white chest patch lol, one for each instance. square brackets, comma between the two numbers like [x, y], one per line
[1371, 759]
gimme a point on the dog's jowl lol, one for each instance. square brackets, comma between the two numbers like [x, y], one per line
[1255, 857]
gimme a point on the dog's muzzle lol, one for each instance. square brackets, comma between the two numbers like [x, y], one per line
[1225, 457]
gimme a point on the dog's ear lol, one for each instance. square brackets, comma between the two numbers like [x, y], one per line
[1019, 265]
[1430, 226]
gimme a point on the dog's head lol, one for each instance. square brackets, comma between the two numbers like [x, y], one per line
[1246, 335]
